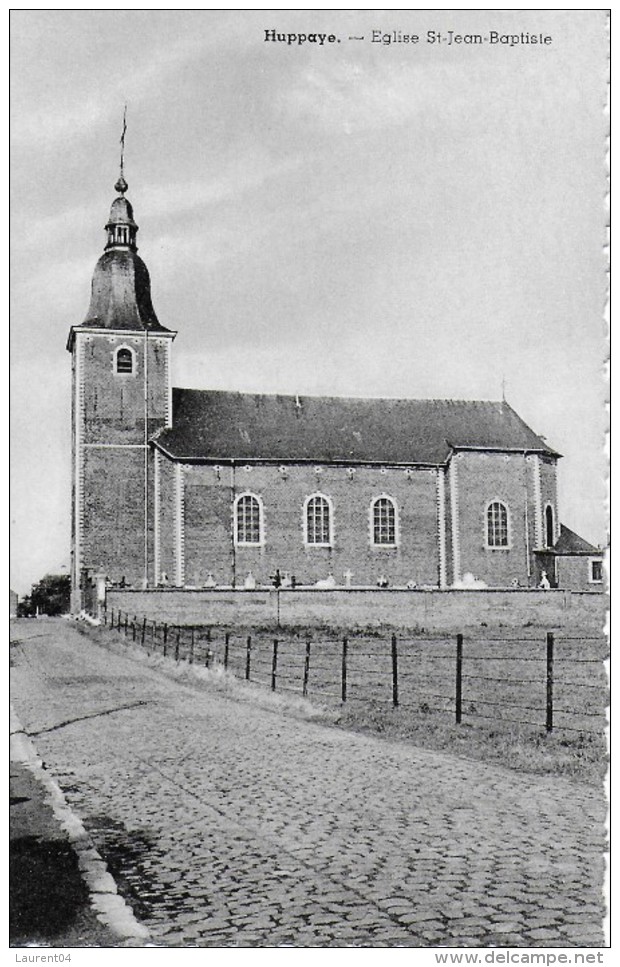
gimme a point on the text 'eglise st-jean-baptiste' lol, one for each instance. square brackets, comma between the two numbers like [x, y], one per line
[434, 37]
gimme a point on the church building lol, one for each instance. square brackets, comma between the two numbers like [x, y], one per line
[194, 488]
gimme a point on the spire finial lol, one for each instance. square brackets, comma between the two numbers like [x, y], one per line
[121, 185]
[503, 388]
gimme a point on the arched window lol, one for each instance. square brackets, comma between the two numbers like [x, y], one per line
[384, 522]
[124, 360]
[318, 519]
[549, 528]
[497, 525]
[248, 520]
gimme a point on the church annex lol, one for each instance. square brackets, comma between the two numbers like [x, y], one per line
[194, 488]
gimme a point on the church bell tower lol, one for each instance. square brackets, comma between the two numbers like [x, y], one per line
[121, 396]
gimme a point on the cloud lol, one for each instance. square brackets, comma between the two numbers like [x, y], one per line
[353, 97]
[349, 97]
[41, 128]
[74, 119]
[241, 176]
[63, 223]
[57, 284]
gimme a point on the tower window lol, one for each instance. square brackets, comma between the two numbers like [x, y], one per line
[248, 520]
[318, 521]
[124, 361]
[384, 522]
[497, 525]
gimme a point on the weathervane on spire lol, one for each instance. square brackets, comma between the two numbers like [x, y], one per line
[121, 185]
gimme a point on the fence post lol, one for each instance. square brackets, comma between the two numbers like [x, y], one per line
[274, 665]
[208, 652]
[153, 630]
[226, 647]
[549, 722]
[118, 627]
[143, 632]
[247, 658]
[133, 628]
[344, 669]
[111, 619]
[306, 668]
[177, 644]
[165, 639]
[459, 678]
[126, 623]
[394, 673]
[191, 649]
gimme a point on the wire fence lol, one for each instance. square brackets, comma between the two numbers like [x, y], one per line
[551, 682]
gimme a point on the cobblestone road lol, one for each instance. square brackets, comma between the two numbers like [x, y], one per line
[226, 824]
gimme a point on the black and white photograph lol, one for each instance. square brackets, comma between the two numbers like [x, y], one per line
[309, 354]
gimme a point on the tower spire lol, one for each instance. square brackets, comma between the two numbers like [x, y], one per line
[121, 185]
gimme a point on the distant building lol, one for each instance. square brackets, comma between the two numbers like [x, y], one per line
[13, 602]
[573, 563]
[188, 487]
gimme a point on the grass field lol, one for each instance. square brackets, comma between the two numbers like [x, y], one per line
[503, 686]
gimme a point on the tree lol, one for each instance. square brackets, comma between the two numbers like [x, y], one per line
[51, 596]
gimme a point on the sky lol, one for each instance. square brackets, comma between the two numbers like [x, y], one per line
[355, 218]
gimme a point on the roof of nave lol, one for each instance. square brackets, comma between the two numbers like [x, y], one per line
[214, 425]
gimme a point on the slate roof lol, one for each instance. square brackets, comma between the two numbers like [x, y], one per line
[570, 544]
[121, 294]
[121, 213]
[217, 426]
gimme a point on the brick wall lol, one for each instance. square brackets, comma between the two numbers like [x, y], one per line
[166, 518]
[113, 404]
[108, 441]
[548, 495]
[450, 574]
[209, 546]
[448, 611]
[481, 478]
[113, 513]
[209, 540]
[208, 525]
[574, 572]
